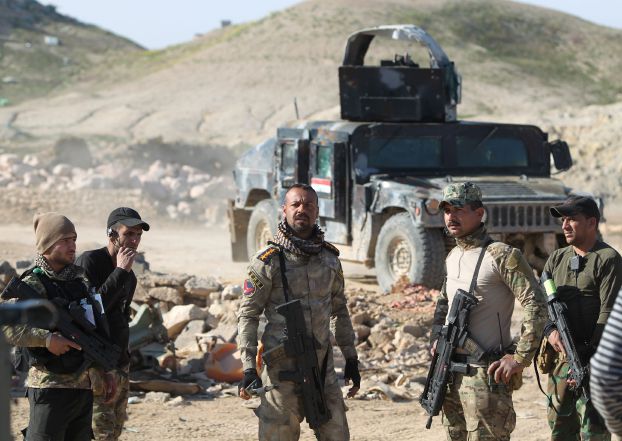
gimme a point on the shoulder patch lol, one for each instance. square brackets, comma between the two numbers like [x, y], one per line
[267, 254]
[332, 248]
[498, 249]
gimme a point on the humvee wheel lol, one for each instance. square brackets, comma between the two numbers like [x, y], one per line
[405, 249]
[261, 226]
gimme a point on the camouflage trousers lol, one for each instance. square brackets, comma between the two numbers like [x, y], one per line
[108, 419]
[281, 411]
[575, 419]
[475, 411]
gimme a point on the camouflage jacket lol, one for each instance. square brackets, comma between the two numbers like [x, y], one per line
[27, 336]
[317, 280]
[503, 276]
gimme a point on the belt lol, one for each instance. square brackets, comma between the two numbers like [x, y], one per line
[469, 359]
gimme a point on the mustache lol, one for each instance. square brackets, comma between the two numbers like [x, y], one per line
[301, 216]
[453, 224]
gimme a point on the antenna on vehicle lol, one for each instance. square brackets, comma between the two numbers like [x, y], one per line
[296, 108]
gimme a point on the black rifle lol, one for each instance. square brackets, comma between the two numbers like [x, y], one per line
[578, 371]
[308, 375]
[73, 325]
[452, 336]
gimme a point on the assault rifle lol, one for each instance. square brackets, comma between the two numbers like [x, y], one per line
[452, 336]
[308, 373]
[73, 325]
[578, 371]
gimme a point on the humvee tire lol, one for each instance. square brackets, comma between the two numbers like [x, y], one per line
[261, 226]
[405, 249]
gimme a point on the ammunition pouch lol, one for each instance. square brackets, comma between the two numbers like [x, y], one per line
[546, 358]
[274, 356]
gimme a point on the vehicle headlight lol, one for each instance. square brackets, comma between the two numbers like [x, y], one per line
[432, 206]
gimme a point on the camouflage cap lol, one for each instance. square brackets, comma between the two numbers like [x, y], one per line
[460, 194]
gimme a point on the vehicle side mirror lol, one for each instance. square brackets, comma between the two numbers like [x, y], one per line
[561, 155]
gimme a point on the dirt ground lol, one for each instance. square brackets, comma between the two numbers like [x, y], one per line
[201, 251]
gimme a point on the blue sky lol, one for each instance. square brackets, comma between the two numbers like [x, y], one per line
[159, 23]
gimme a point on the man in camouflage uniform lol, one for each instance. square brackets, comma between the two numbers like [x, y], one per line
[478, 405]
[59, 391]
[314, 275]
[588, 276]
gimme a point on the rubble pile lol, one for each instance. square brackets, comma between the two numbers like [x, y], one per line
[393, 339]
[198, 315]
[175, 190]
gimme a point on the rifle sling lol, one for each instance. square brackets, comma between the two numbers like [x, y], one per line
[286, 295]
[478, 265]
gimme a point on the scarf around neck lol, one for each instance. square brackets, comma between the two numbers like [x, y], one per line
[286, 238]
[70, 272]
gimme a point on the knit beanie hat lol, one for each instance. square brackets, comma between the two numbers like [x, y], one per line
[50, 228]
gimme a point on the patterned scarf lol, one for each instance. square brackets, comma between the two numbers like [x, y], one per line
[286, 237]
[70, 272]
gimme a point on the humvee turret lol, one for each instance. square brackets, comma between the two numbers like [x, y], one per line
[379, 171]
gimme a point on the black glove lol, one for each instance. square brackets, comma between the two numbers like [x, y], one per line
[351, 372]
[250, 376]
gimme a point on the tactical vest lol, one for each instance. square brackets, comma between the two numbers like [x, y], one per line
[72, 360]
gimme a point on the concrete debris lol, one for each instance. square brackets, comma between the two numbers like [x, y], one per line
[157, 397]
[167, 294]
[231, 292]
[202, 286]
[187, 338]
[178, 191]
[178, 317]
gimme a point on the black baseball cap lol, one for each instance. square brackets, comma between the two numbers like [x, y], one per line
[576, 205]
[126, 216]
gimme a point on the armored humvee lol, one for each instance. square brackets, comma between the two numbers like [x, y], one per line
[379, 172]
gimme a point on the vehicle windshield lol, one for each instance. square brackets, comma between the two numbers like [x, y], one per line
[434, 150]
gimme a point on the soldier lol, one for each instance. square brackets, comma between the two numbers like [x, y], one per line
[313, 274]
[110, 271]
[478, 405]
[59, 390]
[588, 276]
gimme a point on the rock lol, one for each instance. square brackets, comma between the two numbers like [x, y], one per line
[32, 179]
[187, 337]
[202, 286]
[32, 160]
[134, 400]
[23, 264]
[380, 338]
[197, 191]
[169, 279]
[231, 292]
[224, 332]
[178, 401]
[157, 397]
[155, 190]
[193, 364]
[62, 170]
[361, 318]
[405, 343]
[362, 332]
[178, 317]
[414, 329]
[7, 272]
[217, 309]
[73, 151]
[167, 294]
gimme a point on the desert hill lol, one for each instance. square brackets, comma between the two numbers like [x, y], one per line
[234, 85]
[43, 52]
